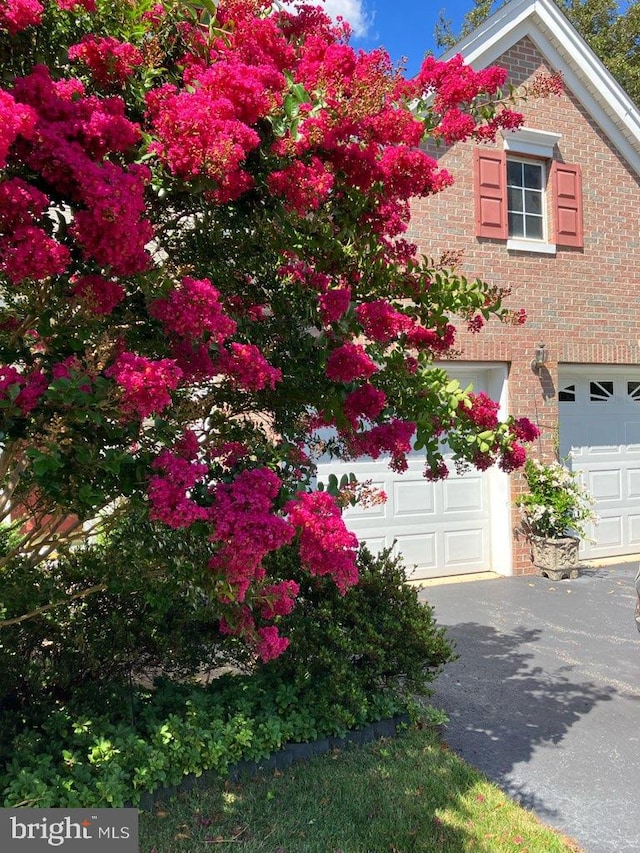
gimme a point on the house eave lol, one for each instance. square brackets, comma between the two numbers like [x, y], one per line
[567, 52]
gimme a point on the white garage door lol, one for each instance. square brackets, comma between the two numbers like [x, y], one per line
[451, 527]
[600, 428]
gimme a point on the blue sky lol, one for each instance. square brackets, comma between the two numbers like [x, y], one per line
[403, 27]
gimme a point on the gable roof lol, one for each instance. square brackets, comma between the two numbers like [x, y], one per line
[561, 45]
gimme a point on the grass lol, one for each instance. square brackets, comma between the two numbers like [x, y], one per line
[407, 795]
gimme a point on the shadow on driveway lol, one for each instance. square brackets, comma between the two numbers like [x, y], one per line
[544, 697]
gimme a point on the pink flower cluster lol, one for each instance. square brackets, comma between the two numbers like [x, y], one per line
[75, 133]
[30, 253]
[169, 494]
[193, 310]
[15, 120]
[145, 384]
[349, 362]
[31, 388]
[366, 401]
[394, 437]
[20, 204]
[303, 186]
[326, 546]
[17, 15]
[512, 458]
[267, 642]
[70, 5]
[99, 294]
[246, 368]
[246, 528]
[279, 599]
[483, 410]
[524, 430]
[206, 128]
[109, 60]
[381, 322]
[334, 303]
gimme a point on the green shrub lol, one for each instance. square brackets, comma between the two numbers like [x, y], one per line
[91, 736]
[155, 618]
[376, 641]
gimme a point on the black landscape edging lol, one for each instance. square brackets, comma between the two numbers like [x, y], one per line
[291, 753]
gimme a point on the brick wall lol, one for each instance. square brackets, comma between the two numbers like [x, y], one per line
[582, 303]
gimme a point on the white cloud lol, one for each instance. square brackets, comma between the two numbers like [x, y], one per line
[353, 11]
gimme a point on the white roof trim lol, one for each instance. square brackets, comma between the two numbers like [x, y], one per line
[557, 40]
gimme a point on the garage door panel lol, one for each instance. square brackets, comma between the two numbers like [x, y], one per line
[633, 484]
[463, 495]
[417, 549]
[609, 532]
[605, 485]
[412, 499]
[634, 530]
[465, 547]
[375, 544]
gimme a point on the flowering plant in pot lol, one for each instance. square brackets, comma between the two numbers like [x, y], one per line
[555, 512]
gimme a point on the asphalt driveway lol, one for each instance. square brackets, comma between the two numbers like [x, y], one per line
[545, 697]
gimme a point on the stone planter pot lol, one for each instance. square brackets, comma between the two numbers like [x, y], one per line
[555, 559]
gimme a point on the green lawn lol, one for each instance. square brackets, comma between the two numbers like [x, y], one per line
[406, 795]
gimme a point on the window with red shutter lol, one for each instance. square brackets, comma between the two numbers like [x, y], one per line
[510, 201]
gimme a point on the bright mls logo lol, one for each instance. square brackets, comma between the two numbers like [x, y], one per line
[79, 830]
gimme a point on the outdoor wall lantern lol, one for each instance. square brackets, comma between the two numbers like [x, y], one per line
[540, 357]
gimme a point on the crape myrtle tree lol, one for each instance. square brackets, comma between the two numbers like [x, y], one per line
[202, 264]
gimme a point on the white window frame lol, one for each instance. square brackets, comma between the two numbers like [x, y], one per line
[530, 145]
[543, 216]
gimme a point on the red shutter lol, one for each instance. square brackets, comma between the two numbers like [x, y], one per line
[567, 204]
[490, 194]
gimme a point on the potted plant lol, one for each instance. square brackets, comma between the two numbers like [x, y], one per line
[555, 511]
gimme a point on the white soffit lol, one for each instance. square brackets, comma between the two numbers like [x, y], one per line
[566, 51]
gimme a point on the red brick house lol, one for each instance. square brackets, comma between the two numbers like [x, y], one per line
[550, 211]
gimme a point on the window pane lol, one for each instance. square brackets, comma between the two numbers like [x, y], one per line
[516, 225]
[514, 173]
[534, 227]
[533, 201]
[532, 176]
[514, 199]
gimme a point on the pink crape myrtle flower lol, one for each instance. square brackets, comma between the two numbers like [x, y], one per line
[109, 60]
[326, 546]
[381, 322]
[483, 410]
[17, 15]
[145, 384]
[30, 253]
[247, 368]
[193, 310]
[334, 304]
[70, 5]
[101, 295]
[15, 120]
[349, 362]
[246, 527]
[168, 491]
[270, 644]
[366, 401]
[279, 599]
